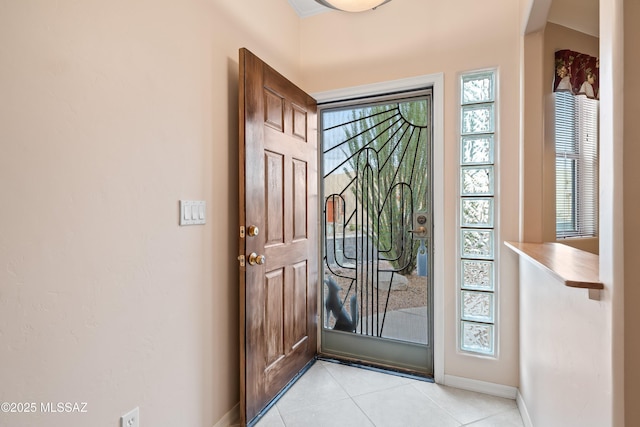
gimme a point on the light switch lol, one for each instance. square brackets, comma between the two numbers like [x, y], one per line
[192, 212]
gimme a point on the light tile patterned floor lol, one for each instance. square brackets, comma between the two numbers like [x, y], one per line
[331, 394]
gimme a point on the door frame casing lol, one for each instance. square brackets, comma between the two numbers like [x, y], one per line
[436, 81]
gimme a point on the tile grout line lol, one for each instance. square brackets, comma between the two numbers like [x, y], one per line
[279, 414]
[410, 382]
[363, 412]
[440, 406]
[411, 385]
[348, 396]
[489, 416]
[456, 418]
[310, 407]
[335, 379]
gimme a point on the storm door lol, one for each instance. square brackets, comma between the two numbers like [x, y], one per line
[377, 223]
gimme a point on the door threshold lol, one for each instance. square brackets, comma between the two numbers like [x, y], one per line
[414, 375]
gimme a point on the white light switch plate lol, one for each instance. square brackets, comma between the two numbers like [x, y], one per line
[193, 212]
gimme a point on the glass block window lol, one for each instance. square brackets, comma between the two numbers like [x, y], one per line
[476, 291]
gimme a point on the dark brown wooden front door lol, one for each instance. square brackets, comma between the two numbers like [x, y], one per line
[279, 197]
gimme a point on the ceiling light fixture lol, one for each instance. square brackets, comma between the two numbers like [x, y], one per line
[352, 5]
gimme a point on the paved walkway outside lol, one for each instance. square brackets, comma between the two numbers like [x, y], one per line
[407, 324]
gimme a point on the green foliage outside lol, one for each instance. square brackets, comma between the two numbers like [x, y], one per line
[392, 167]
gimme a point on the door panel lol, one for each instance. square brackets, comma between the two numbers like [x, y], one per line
[274, 193]
[278, 195]
[299, 200]
[274, 318]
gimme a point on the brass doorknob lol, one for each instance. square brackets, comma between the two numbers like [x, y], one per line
[254, 259]
[253, 230]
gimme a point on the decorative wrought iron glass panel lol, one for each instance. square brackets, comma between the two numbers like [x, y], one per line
[376, 162]
[477, 212]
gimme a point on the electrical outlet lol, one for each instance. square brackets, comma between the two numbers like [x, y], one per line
[131, 419]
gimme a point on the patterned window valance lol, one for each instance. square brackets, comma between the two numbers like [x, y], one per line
[577, 73]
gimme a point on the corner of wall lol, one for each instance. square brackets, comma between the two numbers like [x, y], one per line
[524, 411]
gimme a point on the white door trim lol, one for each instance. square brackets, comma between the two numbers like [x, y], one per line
[437, 82]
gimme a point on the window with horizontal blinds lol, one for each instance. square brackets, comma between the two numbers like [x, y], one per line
[576, 145]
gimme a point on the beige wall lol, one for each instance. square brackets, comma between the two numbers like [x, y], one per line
[631, 210]
[414, 38]
[565, 358]
[533, 139]
[112, 111]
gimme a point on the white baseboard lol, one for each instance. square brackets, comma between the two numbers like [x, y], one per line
[524, 413]
[231, 418]
[492, 389]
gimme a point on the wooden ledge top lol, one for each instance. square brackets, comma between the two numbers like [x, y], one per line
[575, 267]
